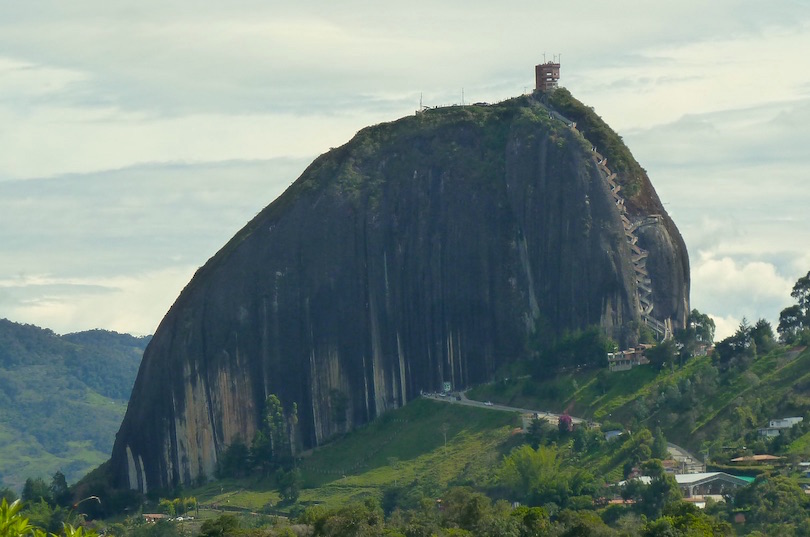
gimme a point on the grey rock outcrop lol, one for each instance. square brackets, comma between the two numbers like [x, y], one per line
[424, 250]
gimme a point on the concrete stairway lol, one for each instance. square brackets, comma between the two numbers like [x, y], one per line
[638, 255]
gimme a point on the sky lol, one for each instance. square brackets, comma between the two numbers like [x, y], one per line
[137, 138]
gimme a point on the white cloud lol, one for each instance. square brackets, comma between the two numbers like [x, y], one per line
[69, 141]
[729, 290]
[132, 304]
[134, 219]
[724, 326]
[710, 97]
[710, 74]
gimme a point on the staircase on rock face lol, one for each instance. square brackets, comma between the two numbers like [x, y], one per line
[638, 255]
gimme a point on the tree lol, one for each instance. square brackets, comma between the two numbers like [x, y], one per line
[791, 323]
[59, 490]
[637, 449]
[45, 516]
[535, 520]
[795, 320]
[465, 508]
[167, 507]
[703, 326]
[35, 490]
[538, 477]
[261, 453]
[356, 519]
[699, 330]
[801, 292]
[662, 491]
[222, 526]
[274, 423]
[659, 448]
[234, 461]
[289, 484]
[762, 336]
[739, 348]
[541, 432]
[9, 495]
[663, 354]
[776, 500]
[581, 524]
[587, 348]
[651, 499]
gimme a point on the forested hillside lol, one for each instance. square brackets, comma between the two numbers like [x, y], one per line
[61, 398]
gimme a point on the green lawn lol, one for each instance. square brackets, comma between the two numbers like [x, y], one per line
[403, 447]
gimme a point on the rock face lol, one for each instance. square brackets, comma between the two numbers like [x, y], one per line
[424, 251]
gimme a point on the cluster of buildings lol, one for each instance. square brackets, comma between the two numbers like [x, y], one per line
[698, 485]
[628, 359]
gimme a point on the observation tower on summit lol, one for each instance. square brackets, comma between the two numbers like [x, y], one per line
[547, 75]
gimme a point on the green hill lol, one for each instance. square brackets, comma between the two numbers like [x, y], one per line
[701, 404]
[695, 405]
[405, 447]
[410, 457]
[61, 399]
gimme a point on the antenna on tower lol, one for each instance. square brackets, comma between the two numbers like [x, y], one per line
[462, 96]
[544, 57]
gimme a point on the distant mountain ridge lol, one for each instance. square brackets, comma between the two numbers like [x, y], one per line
[61, 398]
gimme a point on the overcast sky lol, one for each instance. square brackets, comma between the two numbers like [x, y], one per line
[137, 138]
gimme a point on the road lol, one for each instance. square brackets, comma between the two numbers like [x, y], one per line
[551, 417]
[689, 463]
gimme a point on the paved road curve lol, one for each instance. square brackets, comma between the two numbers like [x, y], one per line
[542, 414]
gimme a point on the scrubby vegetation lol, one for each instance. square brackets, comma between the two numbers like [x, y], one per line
[608, 143]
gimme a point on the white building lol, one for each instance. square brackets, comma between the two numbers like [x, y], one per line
[775, 427]
[785, 423]
[702, 484]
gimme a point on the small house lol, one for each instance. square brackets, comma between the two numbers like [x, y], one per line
[785, 423]
[776, 426]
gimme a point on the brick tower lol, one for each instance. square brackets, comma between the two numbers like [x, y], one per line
[546, 76]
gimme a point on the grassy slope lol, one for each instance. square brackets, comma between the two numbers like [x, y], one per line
[576, 393]
[773, 382]
[402, 447]
[406, 447]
